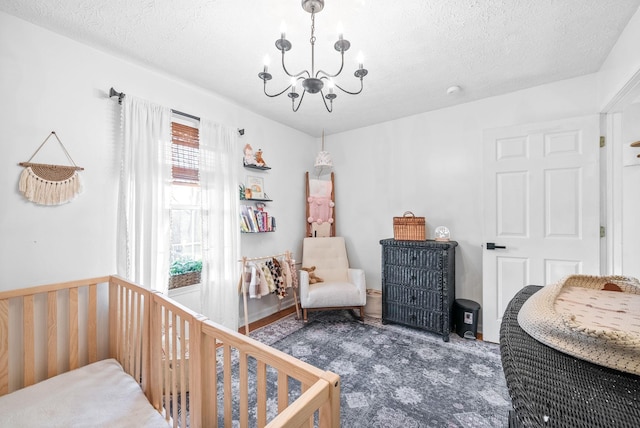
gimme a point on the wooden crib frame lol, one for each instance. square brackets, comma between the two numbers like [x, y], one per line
[50, 329]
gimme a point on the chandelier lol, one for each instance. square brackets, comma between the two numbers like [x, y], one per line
[314, 81]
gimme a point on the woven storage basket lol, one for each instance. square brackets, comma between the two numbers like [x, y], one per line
[182, 280]
[409, 227]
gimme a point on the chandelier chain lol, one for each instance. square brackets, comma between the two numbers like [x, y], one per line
[313, 41]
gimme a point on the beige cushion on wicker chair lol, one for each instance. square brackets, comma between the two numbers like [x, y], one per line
[584, 317]
[342, 287]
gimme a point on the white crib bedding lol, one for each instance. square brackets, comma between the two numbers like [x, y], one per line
[97, 395]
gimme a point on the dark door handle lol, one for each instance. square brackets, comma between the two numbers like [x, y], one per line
[493, 246]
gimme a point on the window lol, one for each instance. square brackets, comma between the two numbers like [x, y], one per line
[186, 224]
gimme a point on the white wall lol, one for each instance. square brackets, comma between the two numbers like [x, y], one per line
[431, 164]
[622, 63]
[51, 83]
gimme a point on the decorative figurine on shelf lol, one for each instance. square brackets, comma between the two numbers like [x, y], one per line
[248, 155]
[259, 160]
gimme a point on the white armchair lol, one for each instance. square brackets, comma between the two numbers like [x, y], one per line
[342, 287]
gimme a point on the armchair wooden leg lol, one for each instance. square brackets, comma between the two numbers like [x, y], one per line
[362, 313]
[304, 315]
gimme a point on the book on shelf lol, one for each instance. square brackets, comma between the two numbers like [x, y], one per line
[255, 220]
[244, 225]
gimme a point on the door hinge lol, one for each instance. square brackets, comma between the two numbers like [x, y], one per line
[603, 232]
[603, 141]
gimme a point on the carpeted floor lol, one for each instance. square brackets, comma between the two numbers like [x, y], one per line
[395, 376]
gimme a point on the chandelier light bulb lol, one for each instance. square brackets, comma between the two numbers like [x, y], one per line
[340, 30]
[283, 30]
[293, 84]
[266, 61]
[360, 60]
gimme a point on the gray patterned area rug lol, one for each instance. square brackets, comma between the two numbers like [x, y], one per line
[395, 376]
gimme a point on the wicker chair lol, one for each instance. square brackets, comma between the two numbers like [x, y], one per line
[552, 389]
[342, 287]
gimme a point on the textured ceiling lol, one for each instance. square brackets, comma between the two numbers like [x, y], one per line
[414, 49]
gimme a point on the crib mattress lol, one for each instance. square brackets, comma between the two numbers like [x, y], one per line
[97, 395]
[593, 318]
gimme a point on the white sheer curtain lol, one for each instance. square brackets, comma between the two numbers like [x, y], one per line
[219, 164]
[143, 207]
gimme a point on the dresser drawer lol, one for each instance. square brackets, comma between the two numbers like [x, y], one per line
[426, 258]
[415, 297]
[413, 277]
[415, 317]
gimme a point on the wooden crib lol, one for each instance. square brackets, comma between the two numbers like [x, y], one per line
[179, 359]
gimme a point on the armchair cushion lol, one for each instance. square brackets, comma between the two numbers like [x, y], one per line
[333, 294]
[328, 255]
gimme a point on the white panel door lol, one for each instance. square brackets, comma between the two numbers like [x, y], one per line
[541, 197]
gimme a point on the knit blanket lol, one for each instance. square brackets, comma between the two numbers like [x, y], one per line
[594, 318]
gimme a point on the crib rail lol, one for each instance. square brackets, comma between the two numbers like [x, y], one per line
[206, 360]
[48, 330]
[181, 359]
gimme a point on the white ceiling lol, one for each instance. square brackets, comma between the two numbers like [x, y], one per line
[414, 49]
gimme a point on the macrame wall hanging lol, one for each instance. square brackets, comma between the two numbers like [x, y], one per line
[47, 184]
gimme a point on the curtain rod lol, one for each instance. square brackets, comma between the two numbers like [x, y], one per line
[121, 95]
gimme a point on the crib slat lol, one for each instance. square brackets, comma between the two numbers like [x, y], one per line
[4, 346]
[73, 328]
[145, 371]
[154, 375]
[28, 340]
[122, 330]
[92, 326]
[261, 393]
[113, 317]
[174, 354]
[164, 369]
[197, 374]
[283, 391]
[244, 390]
[308, 424]
[128, 329]
[136, 324]
[183, 380]
[209, 403]
[228, 410]
[52, 329]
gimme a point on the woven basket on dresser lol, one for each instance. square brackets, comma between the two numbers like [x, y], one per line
[409, 227]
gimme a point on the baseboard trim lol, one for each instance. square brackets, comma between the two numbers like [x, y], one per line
[270, 319]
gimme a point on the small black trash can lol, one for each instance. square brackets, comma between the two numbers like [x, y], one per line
[465, 317]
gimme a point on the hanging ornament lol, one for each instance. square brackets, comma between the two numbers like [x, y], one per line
[46, 184]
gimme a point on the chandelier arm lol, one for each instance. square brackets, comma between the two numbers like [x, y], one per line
[349, 92]
[293, 101]
[339, 71]
[284, 67]
[275, 95]
[328, 109]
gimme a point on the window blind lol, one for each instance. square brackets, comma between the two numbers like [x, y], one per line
[185, 153]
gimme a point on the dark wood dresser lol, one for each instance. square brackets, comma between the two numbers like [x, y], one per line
[418, 284]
